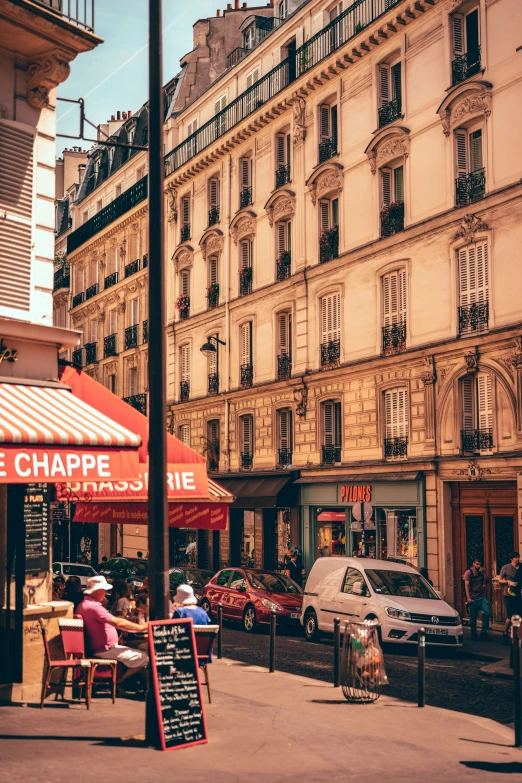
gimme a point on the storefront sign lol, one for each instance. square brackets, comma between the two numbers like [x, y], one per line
[36, 518]
[7, 354]
[205, 516]
[354, 493]
[21, 465]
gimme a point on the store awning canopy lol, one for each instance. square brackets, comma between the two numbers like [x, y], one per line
[363, 478]
[48, 435]
[260, 491]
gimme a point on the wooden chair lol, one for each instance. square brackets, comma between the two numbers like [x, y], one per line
[205, 638]
[73, 640]
[79, 666]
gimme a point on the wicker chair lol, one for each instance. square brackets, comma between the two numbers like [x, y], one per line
[73, 640]
[205, 638]
[79, 667]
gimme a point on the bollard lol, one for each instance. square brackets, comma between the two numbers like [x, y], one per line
[220, 633]
[337, 651]
[272, 640]
[421, 650]
[516, 620]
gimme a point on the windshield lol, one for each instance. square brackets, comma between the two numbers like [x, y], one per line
[198, 578]
[78, 570]
[272, 583]
[401, 584]
[138, 569]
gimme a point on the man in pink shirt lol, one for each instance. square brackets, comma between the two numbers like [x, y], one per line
[102, 634]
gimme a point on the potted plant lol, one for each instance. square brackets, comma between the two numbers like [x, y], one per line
[392, 216]
[284, 257]
[245, 274]
[182, 304]
[329, 243]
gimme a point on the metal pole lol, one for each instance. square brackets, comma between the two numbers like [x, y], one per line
[337, 650]
[157, 496]
[421, 650]
[220, 634]
[272, 640]
[516, 620]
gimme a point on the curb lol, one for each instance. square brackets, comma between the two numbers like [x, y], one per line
[500, 669]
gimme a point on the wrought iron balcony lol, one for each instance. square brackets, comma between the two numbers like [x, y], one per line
[245, 198]
[284, 457]
[132, 267]
[213, 216]
[62, 279]
[236, 55]
[91, 291]
[213, 453]
[470, 188]
[282, 175]
[78, 299]
[138, 401]
[473, 318]
[394, 338]
[145, 261]
[213, 295]
[185, 232]
[465, 65]
[184, 313]
[131, 337]
[396, 448]
[331, 454]
[284, 266]
[213, 384]
[110, 280]
[245, 281]
[77, 357]
[247, 375]
[145, 332]
[390, 111]
[327, 149]
[329, 244]
[284, 367]
[246, 460]
[109, 346]
[80, 14]
[184, 391]
[330, 354]
[392, 219]
[477, 440]
[91, 353]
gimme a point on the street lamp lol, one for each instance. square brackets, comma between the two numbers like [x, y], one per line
[209, 347]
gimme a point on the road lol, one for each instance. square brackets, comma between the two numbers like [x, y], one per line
[453, 680]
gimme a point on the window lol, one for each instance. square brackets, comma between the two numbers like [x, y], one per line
[183, 301]
[245, 267]
[184, 391]
[470, 173]
[213, 444]
[99, 205]
[112, 383]
[477, 413]
[282, 159]
[396, 423]
[245, 358]
[473, 288]
[249, 37]
[245, 184]
[184, 282]
[390, 89]
[117, 191]
[212, 369]
[352, 577]
[213, 201]
[140, 173]
[93, 331]
[466, 45]
[213, 283]
[330, 330]
[192, 127]
[253, 97]
[134, 312]
[185, 218]
[246, 440]
[113, 321]
[133, 381]
[328, 229]
[282, 9]
[85, 216]
[327, 132]
[238, 581]
[332, 432]
[223, 578]
[284, 437]
[184, 434]
[284, 346]
[394, 312]
[392, 200]
[221, 122]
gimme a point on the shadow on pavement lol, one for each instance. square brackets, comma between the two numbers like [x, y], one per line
[506, 767]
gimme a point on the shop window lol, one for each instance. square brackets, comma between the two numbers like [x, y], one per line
[331, 533]
[397, 535]
[184, 434]
[284, 437]
[394, 312]
[473, 270]
[396, 423]
[477, 413]
[246, 441]
[470, 179]
[332, 432]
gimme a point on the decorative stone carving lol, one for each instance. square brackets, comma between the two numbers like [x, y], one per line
[330, 180]
[60, 299]
[471, 104]
[172, 205]
[100, 318]
[214, 244]
[135, 228]
[301, 400]
[134, 359]
[299, 111]
[451, 5]
[183, 259]
[516, 359]
[429, 376]
[92, 372]
[472, 360]
[122, 306]
[394, 143]
[469, 100]
[246, 226]
[469, 226]
[444, 371]
[113, 241]
[44, 74]
[111, 368]
[282, 207]
[103, 259]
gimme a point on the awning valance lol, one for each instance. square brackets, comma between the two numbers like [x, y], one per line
[260, 491]
[204, 516]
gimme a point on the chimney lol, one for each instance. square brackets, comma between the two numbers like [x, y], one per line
[129, 114]
[118, 115]
[271, 3]
[112, 118]
[229, 6]
[218, 12]
[236, 5]
[245, 5]
[124, 115]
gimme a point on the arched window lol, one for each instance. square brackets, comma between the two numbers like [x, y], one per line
[477, 413]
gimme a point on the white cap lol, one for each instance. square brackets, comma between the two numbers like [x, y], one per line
[185, 596]
[97, 583]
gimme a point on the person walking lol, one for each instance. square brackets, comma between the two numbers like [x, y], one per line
[509, 578]
[295, 567]
[475, 581]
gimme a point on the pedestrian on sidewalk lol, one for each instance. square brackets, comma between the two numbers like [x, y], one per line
[296, 571]
[509, 579]
[475, 581]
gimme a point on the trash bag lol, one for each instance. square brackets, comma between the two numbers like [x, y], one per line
[362, 663]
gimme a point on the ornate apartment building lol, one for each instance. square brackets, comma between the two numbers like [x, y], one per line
[344, 326]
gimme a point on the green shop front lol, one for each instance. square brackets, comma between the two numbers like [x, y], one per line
[378, 515]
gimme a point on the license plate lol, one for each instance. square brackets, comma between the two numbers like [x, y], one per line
[437, 631]
[295, 615]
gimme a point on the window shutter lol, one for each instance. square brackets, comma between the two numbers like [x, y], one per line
[396, 84]
[185, 362]
[468, 403]
[384, 81]
[281, 237]
[184, 434]
[281, 149]
[328, 423]
[245, 254]
[386, 301]
[386, 186]
[135, 311]
[485, 401]
[284, 333]
[213, 430]
[464, 281]
[337, 424]
[213, 192]
[212, 360]
[458, 34]
[461, 154]
[220, 104]
[335, 212]
[481, 250]
[333, 123]
[289, 235]
[247, 434]
[192, 127]
[185, 282]
[402, 294]
[246, 343]
[284, 429]
[475, 150]
[324, 214]
[398, 183]
[394, 297]
[113, 321]
[212, 270]
[245, 172]
[324, 115]
[473, 273]
[252, 78]
[185, 207]
[331, 318]
[93, 331]
[396, 413]
[133, 381]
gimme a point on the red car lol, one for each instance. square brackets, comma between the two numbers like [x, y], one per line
[248, 595]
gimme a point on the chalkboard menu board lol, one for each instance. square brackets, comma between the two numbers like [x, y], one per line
[36, 518]
[179, 701]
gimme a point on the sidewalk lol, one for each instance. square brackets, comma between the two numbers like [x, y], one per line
[492, 650]
[262, 727]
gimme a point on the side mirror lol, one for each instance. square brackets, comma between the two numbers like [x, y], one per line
[359, 588]
[242, 588]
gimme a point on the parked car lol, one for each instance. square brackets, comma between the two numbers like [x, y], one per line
[132, 569]
[197, 578]
[393, 593]
[248, 596]
[74, 569]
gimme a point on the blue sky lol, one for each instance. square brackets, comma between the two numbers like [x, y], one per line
[115, 75]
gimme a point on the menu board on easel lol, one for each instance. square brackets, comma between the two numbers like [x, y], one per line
[36, 518]
[179, 701]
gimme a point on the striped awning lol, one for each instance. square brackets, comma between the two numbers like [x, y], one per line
[215, 490]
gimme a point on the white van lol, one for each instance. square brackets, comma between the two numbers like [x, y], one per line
[396, 595]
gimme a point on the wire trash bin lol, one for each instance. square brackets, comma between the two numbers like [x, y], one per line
[362, 663]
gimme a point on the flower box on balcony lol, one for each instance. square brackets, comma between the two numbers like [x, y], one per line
[329, 244]
[182, 305]
[392, 218]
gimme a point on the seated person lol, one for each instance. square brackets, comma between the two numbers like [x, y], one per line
[58, 587]
[186, 605]
[73, 591]
[122, 598]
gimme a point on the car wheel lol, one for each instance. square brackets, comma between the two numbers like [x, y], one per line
[205, 605]
[249, 619]
[311, 627]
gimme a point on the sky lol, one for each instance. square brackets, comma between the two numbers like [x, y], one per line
[114, 76]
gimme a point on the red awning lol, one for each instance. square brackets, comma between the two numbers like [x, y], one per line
[206, 516]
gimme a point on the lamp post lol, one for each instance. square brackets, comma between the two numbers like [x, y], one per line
[211, 347]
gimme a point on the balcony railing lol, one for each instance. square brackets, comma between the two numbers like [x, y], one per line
[284, 457]
[138, 401]
[184, 391]
[62, 279]
[122, 204]
[91, 353]
[132, 267]
[282, 176]
[465, 65]
[331, 454]
[392, 218]
[110, 280]
[213, 453]
[477, 440]
[109, 346]
[470, 188]
[246, 460]
[330, 354]
[284, 366]
[246, 375]
[327, 149]
[245, 281]
[213, 216]
[213, 295]
[329, 244]
[236, 55]
[91, 291]
[396, 448]
[473, 318]
[145, 332]
[390, 111]
[284, 266]
[77, 357]
[185, 232]
[78, 299]
[245, 198]
[394, 338]
[131, 337]
[145, 261]
[79, 13]
[347, 25]
[213, 384]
